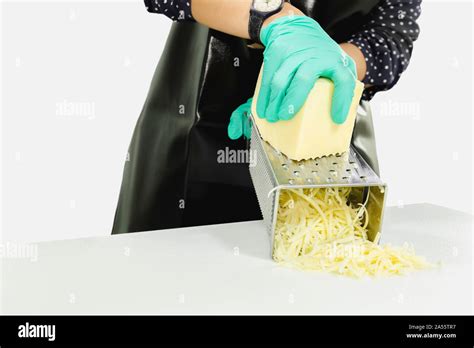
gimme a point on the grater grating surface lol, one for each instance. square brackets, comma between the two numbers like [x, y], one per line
[273, 172]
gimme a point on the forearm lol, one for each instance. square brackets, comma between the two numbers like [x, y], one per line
[356, 54]
[231, 16]
[215, 14]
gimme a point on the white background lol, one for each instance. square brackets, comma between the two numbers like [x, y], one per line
[61, 172]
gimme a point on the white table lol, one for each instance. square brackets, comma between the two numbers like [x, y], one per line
[226, 269]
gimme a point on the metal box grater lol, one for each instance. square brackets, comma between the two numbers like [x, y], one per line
[273, 172]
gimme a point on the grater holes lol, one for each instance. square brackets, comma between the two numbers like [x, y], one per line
[353, 164]
[276, 171]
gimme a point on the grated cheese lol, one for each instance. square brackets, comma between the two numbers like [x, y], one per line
[317, 229]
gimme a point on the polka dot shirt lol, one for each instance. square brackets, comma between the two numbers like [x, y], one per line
[386, 39]
[177, 10]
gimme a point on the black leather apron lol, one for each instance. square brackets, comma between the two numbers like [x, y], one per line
[172, 177]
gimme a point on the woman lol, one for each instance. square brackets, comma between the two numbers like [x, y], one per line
[210, 66]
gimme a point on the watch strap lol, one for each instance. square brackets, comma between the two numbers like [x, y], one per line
[256, 20]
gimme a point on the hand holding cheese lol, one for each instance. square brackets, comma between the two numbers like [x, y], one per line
[310, 133]
[240, 122]
[298, 52]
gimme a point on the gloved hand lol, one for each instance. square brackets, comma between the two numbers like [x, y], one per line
[240, 121]
[297, 52]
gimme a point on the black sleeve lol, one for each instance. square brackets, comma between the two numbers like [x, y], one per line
[177, 10]
[386, 41]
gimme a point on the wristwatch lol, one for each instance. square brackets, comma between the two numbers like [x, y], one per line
[259, 11]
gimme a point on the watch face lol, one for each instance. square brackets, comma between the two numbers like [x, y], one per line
[267, 5]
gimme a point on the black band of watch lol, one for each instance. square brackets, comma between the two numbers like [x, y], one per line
[256, 20]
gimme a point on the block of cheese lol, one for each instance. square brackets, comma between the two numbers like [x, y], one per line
[311, 133]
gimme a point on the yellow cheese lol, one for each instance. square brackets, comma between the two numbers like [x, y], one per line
[319, 230]
[311, 133]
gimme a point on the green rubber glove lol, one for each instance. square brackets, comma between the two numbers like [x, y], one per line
[298, 52]
[240, 121]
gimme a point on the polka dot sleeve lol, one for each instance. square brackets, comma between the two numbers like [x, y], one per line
[177, 10]
[387, 42]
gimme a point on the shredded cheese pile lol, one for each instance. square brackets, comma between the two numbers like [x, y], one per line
[317, 229]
